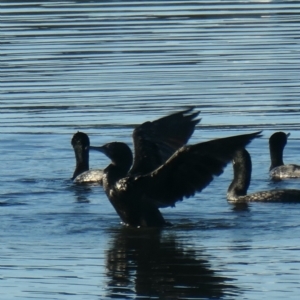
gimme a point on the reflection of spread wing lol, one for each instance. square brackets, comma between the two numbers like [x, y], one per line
[190, 169]
[155, 142]
[161, 267]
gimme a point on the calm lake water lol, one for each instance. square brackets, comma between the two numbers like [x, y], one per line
[103, 67]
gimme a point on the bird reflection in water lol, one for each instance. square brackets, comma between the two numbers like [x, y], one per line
[82, 192]
[145, 264]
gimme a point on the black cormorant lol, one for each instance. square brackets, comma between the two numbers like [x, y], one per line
[164, 170]
[237, 191]
[82, 174]
[278, 170]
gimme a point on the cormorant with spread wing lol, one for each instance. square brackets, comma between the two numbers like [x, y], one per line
[164, 169]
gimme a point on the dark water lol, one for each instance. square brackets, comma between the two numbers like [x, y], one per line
[104, 66]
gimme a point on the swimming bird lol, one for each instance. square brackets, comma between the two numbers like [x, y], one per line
[237, 191]
[278, 170]
[82, 174]
[138, 188]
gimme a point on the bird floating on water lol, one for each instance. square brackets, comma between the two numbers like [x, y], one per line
[278, 170]
[237, 191]
[82, 173]
[164, 169]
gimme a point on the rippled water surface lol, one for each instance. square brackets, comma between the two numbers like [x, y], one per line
[103, 67]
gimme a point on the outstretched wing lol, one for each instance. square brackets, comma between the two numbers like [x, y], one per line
[157, 141]
[190, 169]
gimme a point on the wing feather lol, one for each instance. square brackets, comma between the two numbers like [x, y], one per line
[155, 142]
[191, 169]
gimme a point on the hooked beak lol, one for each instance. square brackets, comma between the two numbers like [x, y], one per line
[98, 148]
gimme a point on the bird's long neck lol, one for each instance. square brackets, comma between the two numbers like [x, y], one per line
[82, 162]
[242, 176]
[276, 157]
[114, 172]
